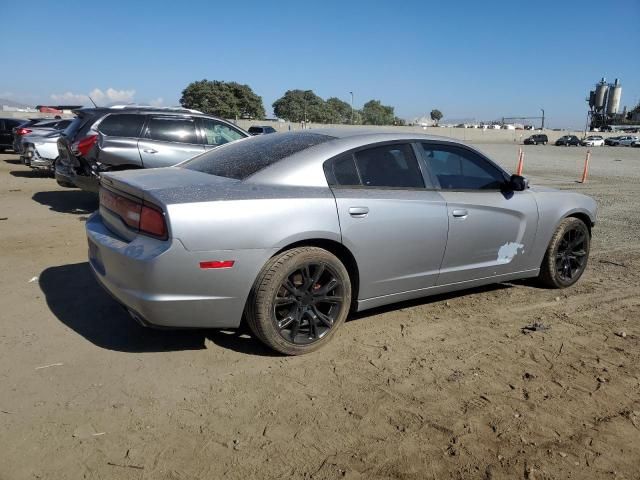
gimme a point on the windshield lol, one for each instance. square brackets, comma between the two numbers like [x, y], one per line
[243, 158]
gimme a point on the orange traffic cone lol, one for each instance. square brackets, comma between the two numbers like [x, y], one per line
[520, 162]
[585, 172]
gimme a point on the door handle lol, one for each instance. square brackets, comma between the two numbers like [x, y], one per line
[149, 150]
[460, 213]
[358, 212]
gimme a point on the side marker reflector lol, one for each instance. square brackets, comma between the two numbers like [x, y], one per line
[217, 264]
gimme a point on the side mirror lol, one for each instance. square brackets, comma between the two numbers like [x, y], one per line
[517, 183]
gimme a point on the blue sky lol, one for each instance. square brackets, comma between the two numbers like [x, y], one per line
[471, 59]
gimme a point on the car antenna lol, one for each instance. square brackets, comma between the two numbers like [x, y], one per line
[94, 103]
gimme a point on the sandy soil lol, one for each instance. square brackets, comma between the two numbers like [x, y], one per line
[446, 387]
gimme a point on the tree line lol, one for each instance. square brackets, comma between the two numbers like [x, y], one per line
[233, 100]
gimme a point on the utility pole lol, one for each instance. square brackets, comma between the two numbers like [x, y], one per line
[542, 127]
[351, 107]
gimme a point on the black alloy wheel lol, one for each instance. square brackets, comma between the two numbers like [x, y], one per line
[307, 304]
[571, 255]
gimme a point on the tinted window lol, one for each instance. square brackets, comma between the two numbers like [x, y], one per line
[75, 126]
[121, 125]
[172, 129]
[255, 129]
[218, 133]
[389, 166]
[342, 171]
[457, 168]
[241, 159]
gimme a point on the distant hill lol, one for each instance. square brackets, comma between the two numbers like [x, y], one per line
[11, 103]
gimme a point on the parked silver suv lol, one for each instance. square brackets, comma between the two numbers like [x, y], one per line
[128, 137]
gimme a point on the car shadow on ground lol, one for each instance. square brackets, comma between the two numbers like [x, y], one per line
[431, 299]
[68, 201]
[14, 161]
[30, 174]
[78, 301]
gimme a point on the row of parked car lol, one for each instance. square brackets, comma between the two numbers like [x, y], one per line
[590, 141]
[76, 151]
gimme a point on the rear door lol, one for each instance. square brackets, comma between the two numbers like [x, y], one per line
[168, 140]
[394, 223]
[216, 133]
[119, 134]
[491, 232]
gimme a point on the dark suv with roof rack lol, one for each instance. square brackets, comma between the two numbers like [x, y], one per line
[130, 137]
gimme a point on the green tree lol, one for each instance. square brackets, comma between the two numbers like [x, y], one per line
[223, 99]
[301, 105]
[339, 111]
[374, 113]
[436, 115]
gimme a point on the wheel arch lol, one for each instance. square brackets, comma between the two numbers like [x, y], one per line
[341, 252]
[584, 216]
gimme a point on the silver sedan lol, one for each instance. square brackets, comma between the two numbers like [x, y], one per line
[292, 231]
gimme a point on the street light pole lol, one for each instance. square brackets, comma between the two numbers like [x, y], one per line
[351, 107]
[542, 127]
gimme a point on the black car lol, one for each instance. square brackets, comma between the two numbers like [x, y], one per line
[568, 140]
[133, 136]
[261, 130]
[612, 141]
[536, 139]
[7, 126]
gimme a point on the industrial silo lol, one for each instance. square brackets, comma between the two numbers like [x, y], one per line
[601, 94]
[613, 100]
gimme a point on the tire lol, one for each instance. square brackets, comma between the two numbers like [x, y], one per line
[568, 248]
[303, 322]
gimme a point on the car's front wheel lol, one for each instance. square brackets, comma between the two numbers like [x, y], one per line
[567, 254]
[299, 300]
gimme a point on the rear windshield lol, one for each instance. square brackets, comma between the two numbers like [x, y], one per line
[243, 158]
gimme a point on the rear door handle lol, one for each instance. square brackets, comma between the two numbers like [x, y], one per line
[460, 213]
[149, 150]
[358, 212]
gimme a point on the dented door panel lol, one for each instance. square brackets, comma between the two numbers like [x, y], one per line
[490, 233]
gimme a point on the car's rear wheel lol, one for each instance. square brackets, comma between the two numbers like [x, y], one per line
[299, 300]
[567, 254]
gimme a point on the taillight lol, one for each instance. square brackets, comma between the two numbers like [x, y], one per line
[23, 131]
[152, 222]
[143, 217]
[82, 146]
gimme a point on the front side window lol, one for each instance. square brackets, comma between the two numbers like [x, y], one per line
[218, 133]
[121, 125]
[457, 168]
[172, 129]
[389, 166]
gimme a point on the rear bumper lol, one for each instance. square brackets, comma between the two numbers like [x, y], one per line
[67, 177]
[162, 284]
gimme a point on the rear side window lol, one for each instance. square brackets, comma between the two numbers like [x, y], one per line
[242, 159]
[389, 166]
[121, 125]
[172, 129]
[255, 129]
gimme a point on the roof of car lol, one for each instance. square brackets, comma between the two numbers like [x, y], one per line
[137, 109]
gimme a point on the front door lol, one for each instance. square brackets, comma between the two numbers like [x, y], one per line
[169, 140]
[491, 232]
[395, 227]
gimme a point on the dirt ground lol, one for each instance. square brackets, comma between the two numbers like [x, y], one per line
[445, 387]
